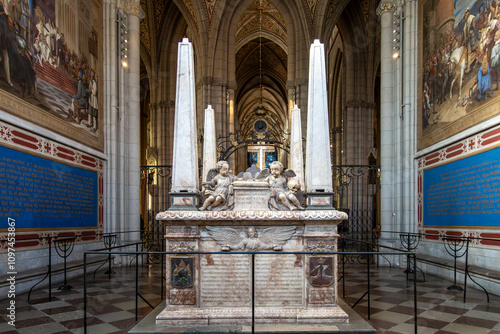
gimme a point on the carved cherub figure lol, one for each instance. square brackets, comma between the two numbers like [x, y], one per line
[282, 197]
[271, 238]
[218, 188]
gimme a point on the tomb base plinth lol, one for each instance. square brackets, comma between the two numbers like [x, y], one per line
[174, 316]
[319, 201]
[217, 287]
[185, 201]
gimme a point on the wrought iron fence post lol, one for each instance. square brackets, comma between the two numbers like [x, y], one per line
[368, 280]
[50, 268]
[85, 292]
[415, 291]
[253, 293]
[136, 281]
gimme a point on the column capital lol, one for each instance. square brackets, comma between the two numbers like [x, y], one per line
[130, 7]
[387, 6]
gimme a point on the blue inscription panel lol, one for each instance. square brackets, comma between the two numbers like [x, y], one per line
[464, 193]
[41, 193]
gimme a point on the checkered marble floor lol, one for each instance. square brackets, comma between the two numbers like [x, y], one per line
[111, 304]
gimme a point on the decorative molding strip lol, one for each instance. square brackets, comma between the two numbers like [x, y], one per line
[482, 141]
[252, 215]
[320, 246]
[182, 247]
[22, 140]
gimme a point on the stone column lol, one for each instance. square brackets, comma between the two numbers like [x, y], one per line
[185, 183]
[387, 119]
[296, 153]
[110, 120]
[318, 176]
[133, 120]
[209, 143]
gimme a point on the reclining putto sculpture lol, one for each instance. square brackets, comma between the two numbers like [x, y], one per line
[284, 188]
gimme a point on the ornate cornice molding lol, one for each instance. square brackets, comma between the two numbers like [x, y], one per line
[130, 7]
[321, 246]
[182, 247]
[330, 215]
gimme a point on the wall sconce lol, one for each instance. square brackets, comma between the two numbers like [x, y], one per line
[397, 35]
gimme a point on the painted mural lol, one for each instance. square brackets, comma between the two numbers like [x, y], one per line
[50, 66]
[459, 66]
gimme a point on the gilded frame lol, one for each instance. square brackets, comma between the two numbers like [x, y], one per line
[33, 105]
[452, 45]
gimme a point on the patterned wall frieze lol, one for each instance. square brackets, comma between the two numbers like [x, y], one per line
[467, 147]
[31, 143]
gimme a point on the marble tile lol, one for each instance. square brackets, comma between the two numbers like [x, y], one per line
[391, 311]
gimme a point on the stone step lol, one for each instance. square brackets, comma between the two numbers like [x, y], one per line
[56, 77]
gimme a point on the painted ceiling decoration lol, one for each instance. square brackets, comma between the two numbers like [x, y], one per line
[143, 29]
[312, 6]
[272, 21]
[273, 58]
[365, 7]
[209, 12]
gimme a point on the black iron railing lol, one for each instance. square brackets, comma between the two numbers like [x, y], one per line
[356, 190]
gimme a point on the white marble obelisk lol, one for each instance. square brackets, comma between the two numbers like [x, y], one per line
[318, 162]
[296, 152]
[209, 143]
[185, 158]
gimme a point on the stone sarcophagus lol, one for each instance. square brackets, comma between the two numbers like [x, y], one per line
[205, 289]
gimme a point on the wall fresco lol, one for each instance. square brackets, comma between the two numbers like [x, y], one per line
[459, 66]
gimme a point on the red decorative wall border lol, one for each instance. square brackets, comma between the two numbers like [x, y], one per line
[479, 142]
[19, 139]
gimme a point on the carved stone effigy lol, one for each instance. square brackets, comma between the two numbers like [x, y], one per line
[216, 288]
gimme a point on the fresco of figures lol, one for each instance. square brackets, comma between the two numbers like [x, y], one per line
[50, 64]
[460, 66]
